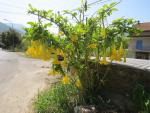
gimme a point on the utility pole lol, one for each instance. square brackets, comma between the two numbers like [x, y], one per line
[12, 32]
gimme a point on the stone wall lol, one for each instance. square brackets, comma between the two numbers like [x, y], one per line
[119, 84]
[123, 79]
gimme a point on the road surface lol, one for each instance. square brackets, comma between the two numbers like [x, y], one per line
[20, 80]
[132, 62]
[137, 63]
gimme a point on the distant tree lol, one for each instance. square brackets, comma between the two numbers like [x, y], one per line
[10, 39]
[1, 40]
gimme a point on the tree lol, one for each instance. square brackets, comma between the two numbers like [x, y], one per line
[10, 39]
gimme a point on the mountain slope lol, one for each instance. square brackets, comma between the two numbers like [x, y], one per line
[3, 27]
[6, 26]
[18, 27]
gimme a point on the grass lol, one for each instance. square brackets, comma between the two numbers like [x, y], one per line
[57, 99]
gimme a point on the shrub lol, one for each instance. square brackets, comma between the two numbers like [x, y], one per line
[77, 42]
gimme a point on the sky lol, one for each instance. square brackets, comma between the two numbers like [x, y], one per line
[15, 11]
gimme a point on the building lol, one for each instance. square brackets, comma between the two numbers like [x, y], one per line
[139, 46]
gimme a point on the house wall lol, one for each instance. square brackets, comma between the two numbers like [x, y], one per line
[146, 43]
[132, 46]
[131, 54]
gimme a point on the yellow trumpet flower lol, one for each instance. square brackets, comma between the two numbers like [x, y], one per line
[78, 83]
[61, 33]
[121, 50]
[65, 80]
[55, 61]
[74, 38]
[104, 61]
[92, 46]
[37, 50]
[116, 55]
[53, 73]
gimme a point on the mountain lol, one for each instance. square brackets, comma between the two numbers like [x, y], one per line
[3, 27]
[17, 27]
[6, 26]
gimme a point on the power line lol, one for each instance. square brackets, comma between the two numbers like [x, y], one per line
[10, 5]
[98, 1]
[109, 8]
[93, 3]
[17, 13]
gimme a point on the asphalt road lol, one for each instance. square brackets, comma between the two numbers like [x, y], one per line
[20, 80]
[137, 63]
[8, 66]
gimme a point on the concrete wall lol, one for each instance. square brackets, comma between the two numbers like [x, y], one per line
[131, 54]
[146, 43]
[132, 46]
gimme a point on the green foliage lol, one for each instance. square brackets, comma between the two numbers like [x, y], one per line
[141, 99]
[57, 99]
[23, 46]
[10, 39]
